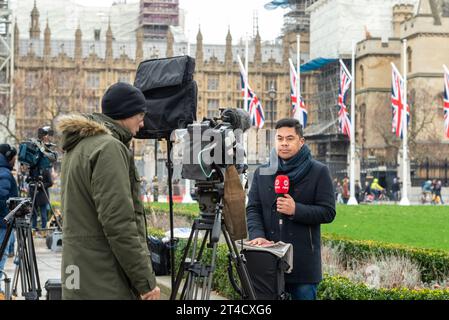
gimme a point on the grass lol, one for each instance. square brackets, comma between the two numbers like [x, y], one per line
[414, 226]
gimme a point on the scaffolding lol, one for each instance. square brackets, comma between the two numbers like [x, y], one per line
[328, 144]
[297, 20]
[156, 16]
[6, 72]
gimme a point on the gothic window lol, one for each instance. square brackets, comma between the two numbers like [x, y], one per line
[212, 108]
[30, 107]
[362, 76]
[409, 59]
[93, 80]
[212, 83]
[92, 105]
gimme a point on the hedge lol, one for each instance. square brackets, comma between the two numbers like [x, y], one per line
[434, 264]
[330, 288]
[340, 288]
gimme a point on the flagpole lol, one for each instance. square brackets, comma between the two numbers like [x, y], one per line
[298, 70]
[404, 199]
[352, 200]
[246, 81]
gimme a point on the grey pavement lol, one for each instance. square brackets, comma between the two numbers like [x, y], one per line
[49, 267]
[48, 264]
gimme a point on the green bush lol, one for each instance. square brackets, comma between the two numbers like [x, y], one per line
[190, 211]
[434, 263]
[331, 288]
[340, 288]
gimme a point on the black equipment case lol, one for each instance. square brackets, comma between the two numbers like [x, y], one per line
[171, 94]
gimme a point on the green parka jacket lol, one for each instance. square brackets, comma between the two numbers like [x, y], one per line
[105, 255]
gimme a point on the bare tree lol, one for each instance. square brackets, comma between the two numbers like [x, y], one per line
[7, 110]
[423, 110]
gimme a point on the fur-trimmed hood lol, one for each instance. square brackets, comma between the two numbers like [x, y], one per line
[76, 127]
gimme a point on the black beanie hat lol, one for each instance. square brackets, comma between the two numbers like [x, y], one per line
[123, 100]
[8, 151]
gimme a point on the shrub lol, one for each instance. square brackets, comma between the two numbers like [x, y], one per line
[434, 264]
[340, 288]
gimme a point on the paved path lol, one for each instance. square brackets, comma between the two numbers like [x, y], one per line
[49, 266]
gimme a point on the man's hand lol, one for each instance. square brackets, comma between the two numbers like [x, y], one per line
[286, 205]
[154, 294]
[260, 242]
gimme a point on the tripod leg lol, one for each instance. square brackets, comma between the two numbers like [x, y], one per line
[247, 287]
[6, 239]
[212, 269]
[21, 258]
[15, 280]
[191, 277]
[32, 265]
[51, 209]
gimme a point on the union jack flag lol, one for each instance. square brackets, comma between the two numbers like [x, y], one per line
[254, 106]
[446, 102]
[343, 115]
[397, 103]
[298, 110]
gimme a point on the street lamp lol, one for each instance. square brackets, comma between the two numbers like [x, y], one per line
[272, 95]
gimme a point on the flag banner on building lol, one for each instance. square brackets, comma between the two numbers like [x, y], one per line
[397, 103]
[254, 106]
[298, 109]
[446, 102]
[343, 115]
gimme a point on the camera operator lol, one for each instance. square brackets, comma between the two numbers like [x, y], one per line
[8, 189]
[296, 217]
[41, 178]
[104, 219]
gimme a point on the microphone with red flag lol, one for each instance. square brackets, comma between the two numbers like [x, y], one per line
[281, 187]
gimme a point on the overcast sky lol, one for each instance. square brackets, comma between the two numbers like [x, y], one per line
[215, 16]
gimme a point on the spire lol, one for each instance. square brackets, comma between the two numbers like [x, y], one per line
[286, 50]
[430, 8]
[199, 49]
[228, 54]
[139, 45]
[170, 42]
[16, 38]
[47, 45]
[258, 51]
[78, 44]
[425, 7]
[35, 31]
[109, 55]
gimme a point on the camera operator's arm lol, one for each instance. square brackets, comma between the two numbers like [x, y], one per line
[323, 210]
[5, 185]
[254, 212]
[113, 200]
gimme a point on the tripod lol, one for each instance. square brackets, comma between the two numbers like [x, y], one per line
[36, 183]
[20, 219]
[200, 272]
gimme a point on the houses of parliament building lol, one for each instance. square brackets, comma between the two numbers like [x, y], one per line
[55, 76]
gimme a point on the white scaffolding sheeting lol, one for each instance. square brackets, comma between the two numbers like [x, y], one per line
[334, 24]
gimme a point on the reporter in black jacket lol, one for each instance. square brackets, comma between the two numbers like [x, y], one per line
[310, 202]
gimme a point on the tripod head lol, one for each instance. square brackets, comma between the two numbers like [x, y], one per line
[208, 194]
[19, 208]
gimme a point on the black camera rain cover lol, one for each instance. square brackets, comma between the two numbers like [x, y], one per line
[171, 93]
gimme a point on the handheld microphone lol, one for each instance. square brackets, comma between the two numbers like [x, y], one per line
[281, 187]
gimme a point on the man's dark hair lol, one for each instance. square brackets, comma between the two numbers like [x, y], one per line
[44, 131]
[291, 123]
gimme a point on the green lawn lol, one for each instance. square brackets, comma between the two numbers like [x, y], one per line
[415, 226]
